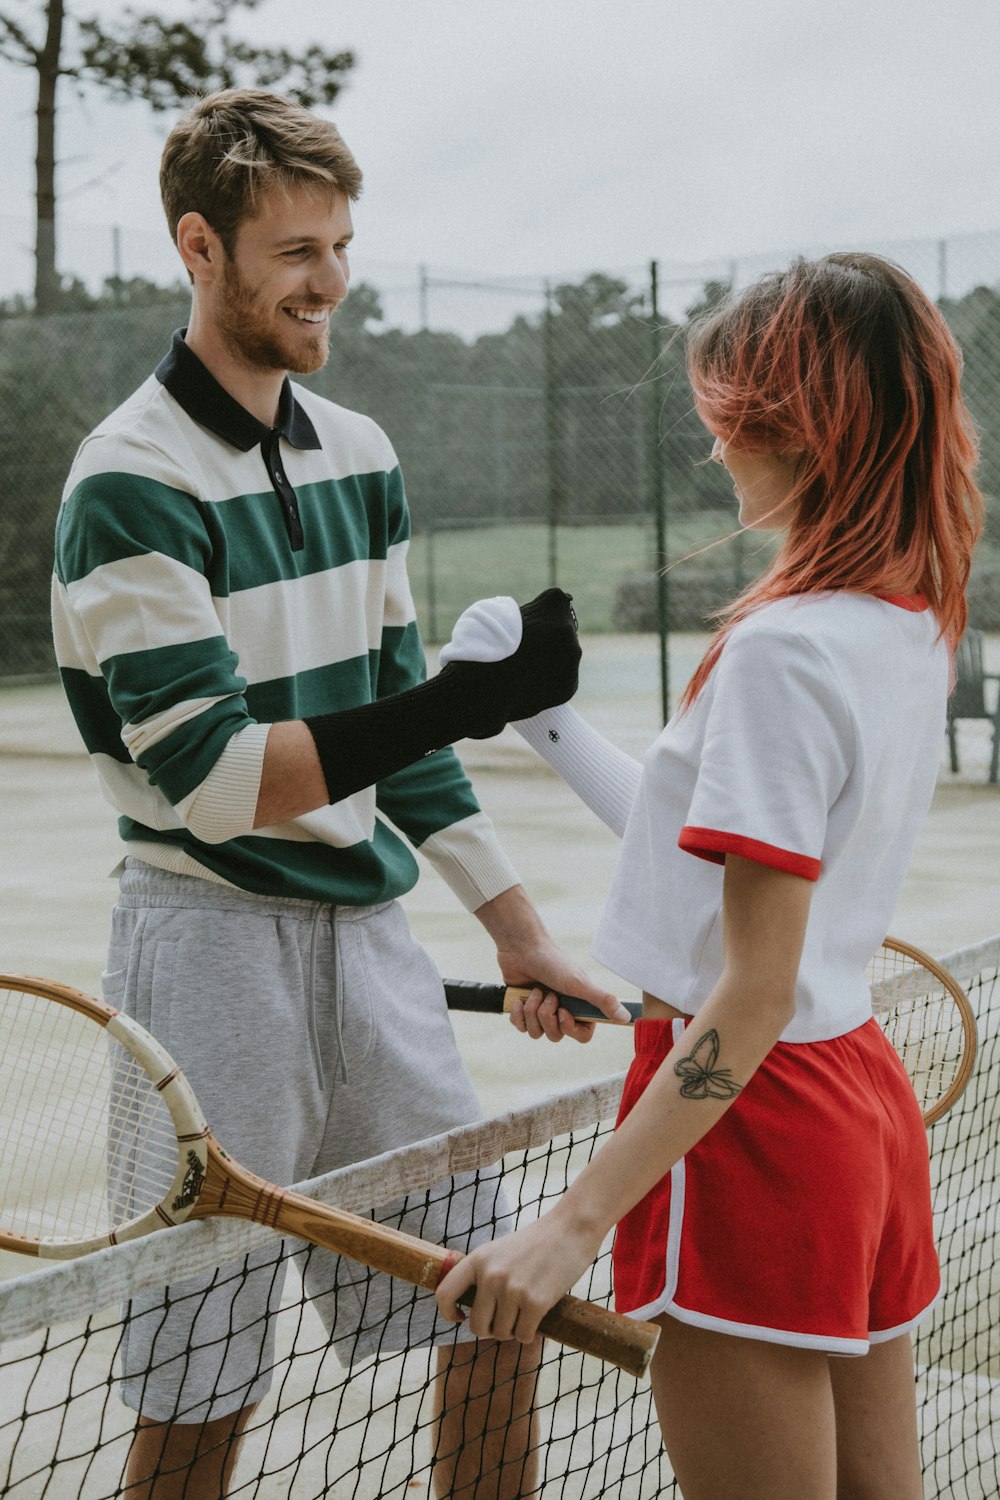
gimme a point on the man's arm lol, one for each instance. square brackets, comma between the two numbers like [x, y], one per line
[528, 956]
[291, 781]
[359, 747]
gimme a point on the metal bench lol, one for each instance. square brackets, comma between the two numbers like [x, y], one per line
[970, 700]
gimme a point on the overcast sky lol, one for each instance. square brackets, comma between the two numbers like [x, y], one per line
[554, 137]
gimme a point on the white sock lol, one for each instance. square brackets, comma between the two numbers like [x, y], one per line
[604, 777]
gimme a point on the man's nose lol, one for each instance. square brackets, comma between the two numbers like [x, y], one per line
[331, 279]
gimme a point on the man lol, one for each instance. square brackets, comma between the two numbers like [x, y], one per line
[237, 640]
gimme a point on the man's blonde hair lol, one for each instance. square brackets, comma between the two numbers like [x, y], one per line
[237, 144]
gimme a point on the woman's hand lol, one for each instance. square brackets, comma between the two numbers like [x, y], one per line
[518, 1278]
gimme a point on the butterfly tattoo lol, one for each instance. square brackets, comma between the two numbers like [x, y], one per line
[702, 1079]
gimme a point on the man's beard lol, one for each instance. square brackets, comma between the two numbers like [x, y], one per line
[248, 330]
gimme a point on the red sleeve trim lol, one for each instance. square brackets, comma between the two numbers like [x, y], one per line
[710, 843]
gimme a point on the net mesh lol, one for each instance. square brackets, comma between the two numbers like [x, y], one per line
[333, 1424]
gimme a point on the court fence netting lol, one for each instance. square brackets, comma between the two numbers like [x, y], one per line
[337, 1424]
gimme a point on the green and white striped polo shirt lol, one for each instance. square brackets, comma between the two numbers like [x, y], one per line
[213, 576]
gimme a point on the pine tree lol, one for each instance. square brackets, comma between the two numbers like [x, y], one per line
[164, 63]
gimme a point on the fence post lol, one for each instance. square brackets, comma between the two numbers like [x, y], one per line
[424, 298]
[116, 262]
[432, 632]
[658, 496]
[554, 477]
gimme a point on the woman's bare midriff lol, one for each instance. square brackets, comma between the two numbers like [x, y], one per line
[658, 1010]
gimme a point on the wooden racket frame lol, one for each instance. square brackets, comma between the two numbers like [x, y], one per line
[210, 1184]
[960, 1082]
[189, 1123]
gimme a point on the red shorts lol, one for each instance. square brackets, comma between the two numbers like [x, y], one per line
[804, 1215]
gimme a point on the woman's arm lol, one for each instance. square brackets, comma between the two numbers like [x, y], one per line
[518, 1279]
[603, 777]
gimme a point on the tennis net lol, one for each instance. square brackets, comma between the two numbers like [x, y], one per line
[339, 1422]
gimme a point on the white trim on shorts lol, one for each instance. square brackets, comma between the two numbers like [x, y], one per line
[883, 1335]
[666, 1302]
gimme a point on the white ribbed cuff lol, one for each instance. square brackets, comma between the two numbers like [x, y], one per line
[225, 804]
[469, 858]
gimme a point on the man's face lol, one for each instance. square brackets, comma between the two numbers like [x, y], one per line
[286, 277]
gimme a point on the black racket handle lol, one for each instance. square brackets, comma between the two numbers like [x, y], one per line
[500, 999]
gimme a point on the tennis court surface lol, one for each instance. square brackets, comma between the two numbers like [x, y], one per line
[327, 1429]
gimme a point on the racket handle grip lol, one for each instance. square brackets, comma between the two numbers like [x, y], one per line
[233, 1191]
[628, 1343]
[497, 999]
[590, 1328]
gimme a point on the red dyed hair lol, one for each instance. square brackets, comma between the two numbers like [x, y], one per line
[847, 362]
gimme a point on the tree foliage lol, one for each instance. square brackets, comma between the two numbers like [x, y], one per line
[116, 291]
[565, 411]
[144, 57]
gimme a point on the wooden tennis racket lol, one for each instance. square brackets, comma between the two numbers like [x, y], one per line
[928, 1019]
[922, 1009]
[104, 1141]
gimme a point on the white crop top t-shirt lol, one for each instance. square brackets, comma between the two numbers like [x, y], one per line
[813, 747]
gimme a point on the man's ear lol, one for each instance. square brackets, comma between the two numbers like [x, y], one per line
[200, 247]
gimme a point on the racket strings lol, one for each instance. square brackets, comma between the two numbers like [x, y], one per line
[921, 1019]
[87, 1142]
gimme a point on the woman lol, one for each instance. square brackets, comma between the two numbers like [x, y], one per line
[769, 1173]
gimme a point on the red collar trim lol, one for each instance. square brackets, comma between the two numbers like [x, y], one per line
[913, 602]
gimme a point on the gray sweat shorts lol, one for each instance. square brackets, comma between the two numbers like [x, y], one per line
[313, 1037]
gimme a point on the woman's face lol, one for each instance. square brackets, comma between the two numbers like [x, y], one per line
[762, 482]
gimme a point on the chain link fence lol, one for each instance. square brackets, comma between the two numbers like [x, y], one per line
[545, 430]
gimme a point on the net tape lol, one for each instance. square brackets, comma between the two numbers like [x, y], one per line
[333, 1424]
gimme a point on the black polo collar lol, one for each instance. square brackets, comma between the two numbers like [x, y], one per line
[196, 389]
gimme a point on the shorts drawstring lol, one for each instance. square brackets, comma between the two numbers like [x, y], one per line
[338, 1018]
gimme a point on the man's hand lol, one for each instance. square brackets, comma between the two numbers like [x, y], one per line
[529, 959]
[511, 664]
[358, 747]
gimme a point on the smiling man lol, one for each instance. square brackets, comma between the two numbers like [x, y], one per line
[237, 641]
[267, 308]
